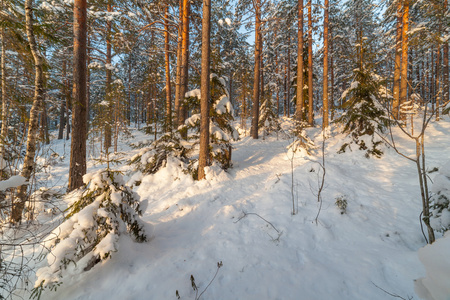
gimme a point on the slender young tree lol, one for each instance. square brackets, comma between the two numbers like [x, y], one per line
[300, 80]
[205, 90]
[33, 124]
[325, 66]
[79, 103]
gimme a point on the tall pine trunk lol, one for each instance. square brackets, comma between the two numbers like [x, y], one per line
[168, 125]
[255, 107]
[109, 112]
[404, 65]
[79, 103]
[310, 67]
[178, 70]
[4, 117]
[445, 69]
[33, 125]
[300, 80]
[181, 109]
[325, 66]
[205, 91]
[397, 62]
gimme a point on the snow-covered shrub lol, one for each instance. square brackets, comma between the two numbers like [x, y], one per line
[106, 209]
[149, 160]
[440, 200]
[364, 115]
[341, 203]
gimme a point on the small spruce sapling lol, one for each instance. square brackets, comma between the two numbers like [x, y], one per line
[106, 209]
[365, 116]
[440, 200]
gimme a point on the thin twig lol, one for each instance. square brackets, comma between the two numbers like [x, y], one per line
[246, 214]
[391, 294]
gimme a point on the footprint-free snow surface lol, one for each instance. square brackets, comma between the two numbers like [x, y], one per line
[244, 219]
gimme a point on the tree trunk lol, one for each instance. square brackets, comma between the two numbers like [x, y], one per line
[325, 67]
[203, 160]
[4, 129]
[44, 137]
[178, 71]
[181, 109]
[68, 106]
[397, 62]
[438, 83]
[62, 110]
[331, 100]
[255, 107]
[108, 115]
[300, 80]
[289, 76]
[168, 125]
[445, 69]
[404, 66]
[310, 67]
[33, 125]
[79, 103]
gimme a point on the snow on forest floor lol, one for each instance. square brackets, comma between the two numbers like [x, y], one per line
[356, 255]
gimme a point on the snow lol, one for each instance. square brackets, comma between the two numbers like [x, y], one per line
[372, 246]
[193, 93]
[436, 260]
[12, 182]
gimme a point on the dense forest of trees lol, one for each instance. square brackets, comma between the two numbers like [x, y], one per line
[91, 69]
[183, 70]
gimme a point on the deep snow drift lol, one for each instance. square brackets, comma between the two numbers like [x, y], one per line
[243, 218]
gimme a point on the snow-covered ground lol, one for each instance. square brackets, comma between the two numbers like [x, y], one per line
[243, 218]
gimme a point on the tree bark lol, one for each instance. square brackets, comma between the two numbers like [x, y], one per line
[446, 69]
[255, 107]
[397, 62]
[331, 99]
[205, 91]
[325, 67]
[33, 125]
[62, 110]
[404, 66]
[300, 80]
[310, 67]
[181, 109]
[4, 129]
[79, 103]
[168, 125]
[108, 115]
[438, 83]
[178, 71]
[289, 76]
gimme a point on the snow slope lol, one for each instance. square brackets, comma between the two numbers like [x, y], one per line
[365, 253]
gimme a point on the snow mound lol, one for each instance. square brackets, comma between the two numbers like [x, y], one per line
[436, 260]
